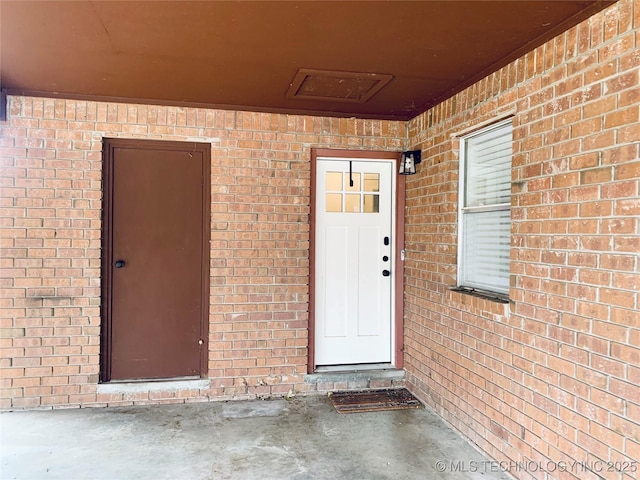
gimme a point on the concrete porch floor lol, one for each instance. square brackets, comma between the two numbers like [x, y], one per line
[264, 439]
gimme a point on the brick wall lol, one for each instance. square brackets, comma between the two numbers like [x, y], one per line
[51, 238]
[555, 375]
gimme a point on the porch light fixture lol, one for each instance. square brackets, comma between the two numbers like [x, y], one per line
[409, 161]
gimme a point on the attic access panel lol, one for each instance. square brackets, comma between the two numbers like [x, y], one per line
[347, 87]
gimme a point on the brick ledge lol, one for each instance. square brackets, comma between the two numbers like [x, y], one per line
[143, 387]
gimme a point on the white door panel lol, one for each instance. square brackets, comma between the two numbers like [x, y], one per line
[353, 297]
[338, 288]
[370, 279]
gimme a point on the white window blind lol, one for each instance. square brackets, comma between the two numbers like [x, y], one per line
[485, 209]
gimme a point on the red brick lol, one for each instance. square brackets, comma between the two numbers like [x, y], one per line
[596, 209]
[628, 116]
[628, 171]
[617, 262]
[598, 175]
[625, 353]
[627, 207]
[627, 244]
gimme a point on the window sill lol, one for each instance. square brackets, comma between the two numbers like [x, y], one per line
[491, 296]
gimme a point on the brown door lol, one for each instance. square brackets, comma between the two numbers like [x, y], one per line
[156, 259]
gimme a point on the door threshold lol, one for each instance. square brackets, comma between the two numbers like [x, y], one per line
[360, 367]
[165, 385]
[151, 380]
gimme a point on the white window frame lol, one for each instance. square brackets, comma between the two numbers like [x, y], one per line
[463, 278]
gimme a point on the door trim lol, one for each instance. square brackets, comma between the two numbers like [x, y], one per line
[398, 266]
[109, 145]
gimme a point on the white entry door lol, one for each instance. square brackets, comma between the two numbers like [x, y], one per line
[353, 262]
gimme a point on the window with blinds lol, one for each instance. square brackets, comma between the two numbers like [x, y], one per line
[485, 209]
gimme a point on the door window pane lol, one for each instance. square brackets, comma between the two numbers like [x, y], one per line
[356, 182]
[352, 203]
[371, 182]
[334, 181]
[334, 202]
[371, 203]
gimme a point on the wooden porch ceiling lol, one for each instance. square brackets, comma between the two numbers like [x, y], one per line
[368, 59]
